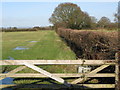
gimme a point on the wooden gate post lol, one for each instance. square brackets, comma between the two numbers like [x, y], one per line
[117, 71]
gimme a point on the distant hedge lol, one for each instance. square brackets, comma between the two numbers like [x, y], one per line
[14, 29]
[91, 44]
[17, 30]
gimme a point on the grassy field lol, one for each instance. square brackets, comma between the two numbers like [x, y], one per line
[48, 46]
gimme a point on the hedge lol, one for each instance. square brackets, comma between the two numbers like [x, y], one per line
[90, 44]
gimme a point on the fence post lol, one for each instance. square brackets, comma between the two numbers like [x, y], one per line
[117, 71]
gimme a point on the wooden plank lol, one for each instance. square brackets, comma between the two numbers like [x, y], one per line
[99, 85]
[65, 75]
[57, 62]
[12, 72]
[97, 70]
[117, 71]
[59, 86]
[46, 73]
[92, 73]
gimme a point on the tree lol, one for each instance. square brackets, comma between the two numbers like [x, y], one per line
[69, 15]
[93, 22]
[104, 22]
[117, 14]
[86, 20]
[93, 19]
[36, 28]
[14, 28]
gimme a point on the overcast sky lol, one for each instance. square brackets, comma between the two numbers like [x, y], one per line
[29, 14]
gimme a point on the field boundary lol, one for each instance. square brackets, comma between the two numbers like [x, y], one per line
[58, 77]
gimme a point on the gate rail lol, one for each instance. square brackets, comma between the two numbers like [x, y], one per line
[58, 76]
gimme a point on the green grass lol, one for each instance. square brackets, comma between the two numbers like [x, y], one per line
[48, 47]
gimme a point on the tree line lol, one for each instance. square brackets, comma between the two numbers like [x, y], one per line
[35, 28]
[69, 15]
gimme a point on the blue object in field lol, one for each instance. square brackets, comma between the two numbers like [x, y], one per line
[33, 41]
[10, 58]
[20, 48]
[7, 80]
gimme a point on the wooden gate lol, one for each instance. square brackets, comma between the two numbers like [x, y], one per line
[58, 77]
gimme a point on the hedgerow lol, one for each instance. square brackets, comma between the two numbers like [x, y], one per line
[89, 44]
